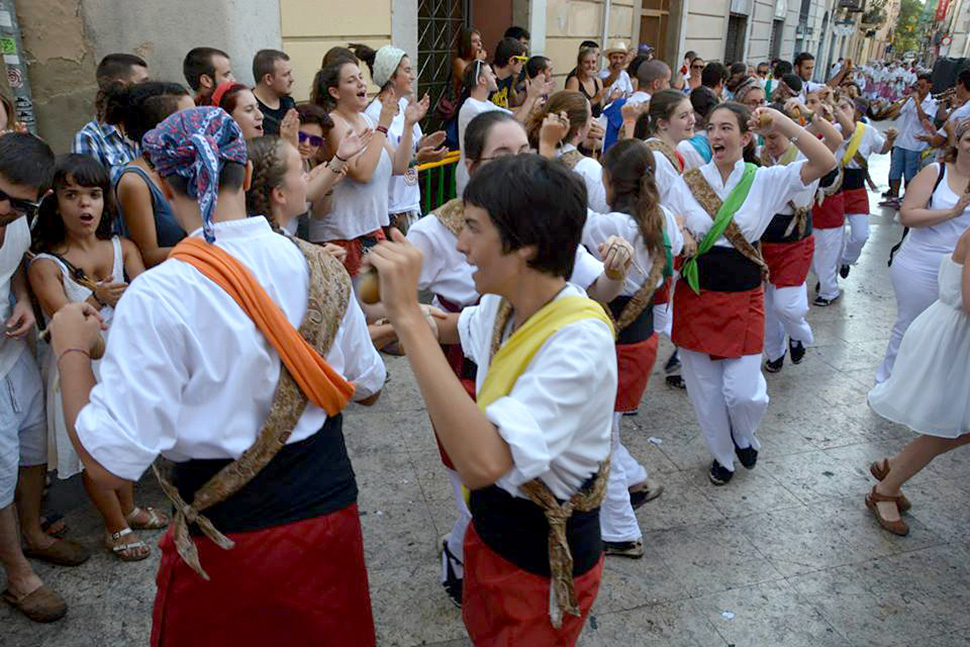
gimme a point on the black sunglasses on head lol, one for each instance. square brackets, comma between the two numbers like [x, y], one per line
[23, 207]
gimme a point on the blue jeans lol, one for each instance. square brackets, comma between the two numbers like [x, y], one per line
[904, 162]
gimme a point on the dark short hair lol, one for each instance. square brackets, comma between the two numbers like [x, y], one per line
[533, 201]
[535, 65]
[589, 43]
[793, 81]
[517, 32]
[704, 101]
[314, 114]
[139, 108]
[506, 49]
[801, 58]
[924, 76]
[690, 55]
[231, 178]
[117, 67]
[738, 68]
[713, 74]
[198, 62]
[782, 68]
[265, 63]
[26, 160]
[82, 170]
[963, 78]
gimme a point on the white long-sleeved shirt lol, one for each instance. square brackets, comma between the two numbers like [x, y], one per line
[188, 375]
[771, 190]
[558, 417]
[592, 173]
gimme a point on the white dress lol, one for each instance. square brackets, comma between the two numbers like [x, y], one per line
[929, 389]
[60, 452]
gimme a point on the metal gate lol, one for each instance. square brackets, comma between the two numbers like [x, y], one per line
[439, 27]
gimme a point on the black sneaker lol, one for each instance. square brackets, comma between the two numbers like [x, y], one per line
[453, 583]
[631, 413]
[822, 302]
[844, 270]
[719, 474]
[631, 549]
[676, 381]
[797, 350]
[747, 456]
[673, 364]
[774, 366]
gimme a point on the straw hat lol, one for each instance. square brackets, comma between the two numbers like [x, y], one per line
[617, 47]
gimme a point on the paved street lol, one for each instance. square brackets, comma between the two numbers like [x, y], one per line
[785, 555]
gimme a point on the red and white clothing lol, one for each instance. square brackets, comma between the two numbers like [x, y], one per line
[828, 221]
[665, 176]
[556, 421]
[188, 375]
[855, 196]
[636, 352]
[720, 332]
[789, 259]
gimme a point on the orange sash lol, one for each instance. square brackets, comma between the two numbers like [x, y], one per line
[322, 385]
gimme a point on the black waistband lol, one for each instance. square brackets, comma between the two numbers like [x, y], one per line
[775, 233]
[640, 328]
[304, 480]
[517, 530]
[829, 178]
[853, 178]
[724, 269]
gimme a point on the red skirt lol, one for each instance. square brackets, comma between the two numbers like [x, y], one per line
[721, 324]
[355, 250]
[504, 606]
[830, 214]
[855, 201]
[302, 583]
[788, 263]
[634, 362]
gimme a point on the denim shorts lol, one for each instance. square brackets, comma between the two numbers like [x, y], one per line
[23, 423]
[904, 162]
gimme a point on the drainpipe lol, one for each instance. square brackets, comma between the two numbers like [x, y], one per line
[606, 26]
[13, 57]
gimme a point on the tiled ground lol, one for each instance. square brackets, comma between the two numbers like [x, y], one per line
[786, 555]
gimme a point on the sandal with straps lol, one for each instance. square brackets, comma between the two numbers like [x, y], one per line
[896, 527]
[156, 520]
[118, 550]
[879, 471]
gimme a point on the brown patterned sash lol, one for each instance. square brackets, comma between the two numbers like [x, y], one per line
[571, 158]
[659, 145]
[707, 198]
[326, 304]
[452, 215]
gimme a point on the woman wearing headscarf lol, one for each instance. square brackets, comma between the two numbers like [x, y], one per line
[208, 369]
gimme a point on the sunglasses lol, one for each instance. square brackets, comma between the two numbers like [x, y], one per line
[22, 207]
[697, 67]
[314, 140]
[521, 58]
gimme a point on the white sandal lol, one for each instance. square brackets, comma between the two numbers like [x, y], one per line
[138, 544]
[156, 520]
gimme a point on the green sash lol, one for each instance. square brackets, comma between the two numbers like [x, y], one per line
[724, 215]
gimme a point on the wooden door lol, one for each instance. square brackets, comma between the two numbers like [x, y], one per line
[653, 27]
[492, 18]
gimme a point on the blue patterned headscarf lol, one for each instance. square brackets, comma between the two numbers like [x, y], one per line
[195, 144]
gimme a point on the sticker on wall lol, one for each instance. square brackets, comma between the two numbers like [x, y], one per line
[5, 19]
[15, 77]
[8, 46]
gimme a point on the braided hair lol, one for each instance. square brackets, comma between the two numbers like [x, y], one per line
[268, 155]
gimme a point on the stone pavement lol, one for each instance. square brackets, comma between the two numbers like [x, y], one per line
[785, 555]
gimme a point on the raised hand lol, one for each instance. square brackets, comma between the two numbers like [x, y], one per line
[416, 110]
[290, 127]
[353, 143]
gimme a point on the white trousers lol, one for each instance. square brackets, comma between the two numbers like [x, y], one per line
[618, 522]
[825, 260]
[785, 310]
[456, 542]
[730, 397]
[856, 235]
[914, 274]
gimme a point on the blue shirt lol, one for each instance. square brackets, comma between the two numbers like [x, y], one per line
[106, 144]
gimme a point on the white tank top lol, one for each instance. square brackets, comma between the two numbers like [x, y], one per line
[77, 292]
[358, 208]
[940, 238]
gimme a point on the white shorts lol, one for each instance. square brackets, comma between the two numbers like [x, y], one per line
[23, 426]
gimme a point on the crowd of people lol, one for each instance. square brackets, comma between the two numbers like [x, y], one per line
[214, 268]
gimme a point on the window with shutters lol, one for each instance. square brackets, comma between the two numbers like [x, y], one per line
[734, 43]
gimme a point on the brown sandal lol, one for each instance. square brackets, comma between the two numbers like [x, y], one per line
[897, 527]
[879, 472]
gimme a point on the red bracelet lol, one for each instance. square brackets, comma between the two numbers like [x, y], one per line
[381, 129]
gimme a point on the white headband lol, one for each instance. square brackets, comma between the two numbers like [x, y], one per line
[385, 64]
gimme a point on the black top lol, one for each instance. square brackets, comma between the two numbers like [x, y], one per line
[502, 97]
[272, 118]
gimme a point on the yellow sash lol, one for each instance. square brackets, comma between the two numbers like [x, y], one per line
[514, 356]
[854, 142]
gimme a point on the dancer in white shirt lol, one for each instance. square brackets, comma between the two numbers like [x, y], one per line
[719, 301]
